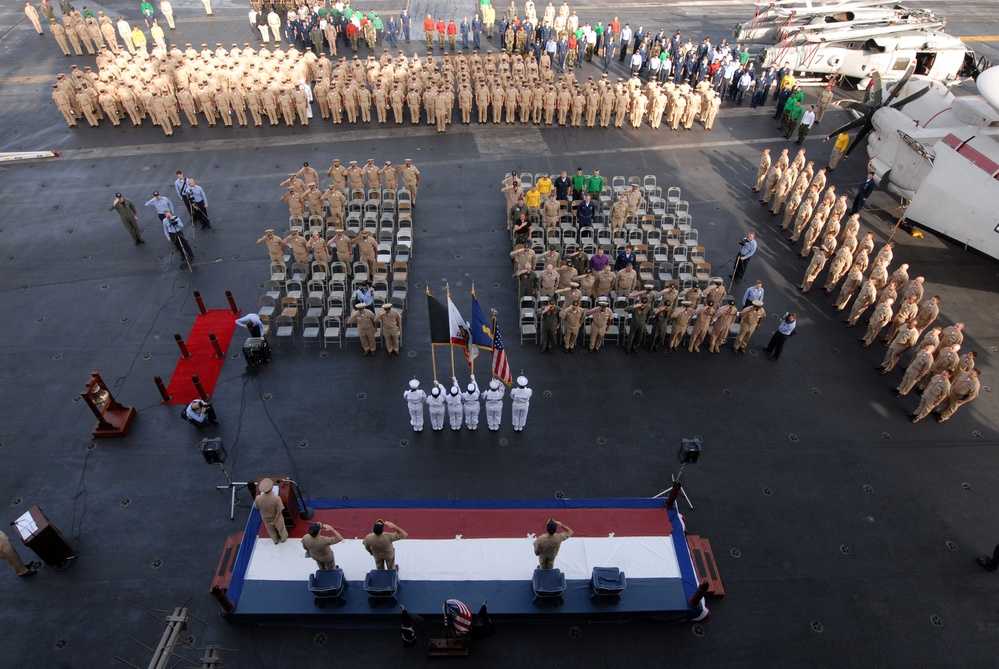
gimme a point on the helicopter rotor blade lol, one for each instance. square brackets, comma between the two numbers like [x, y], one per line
[900, 84]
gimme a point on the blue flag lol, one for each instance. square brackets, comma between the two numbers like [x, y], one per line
[482, 335]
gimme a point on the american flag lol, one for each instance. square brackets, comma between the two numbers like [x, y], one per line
[457, 616]
[501, 366]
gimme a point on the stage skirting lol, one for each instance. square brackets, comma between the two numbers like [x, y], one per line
[473, 551]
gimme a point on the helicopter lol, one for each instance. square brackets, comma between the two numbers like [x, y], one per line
[852, 38]
[937, 152]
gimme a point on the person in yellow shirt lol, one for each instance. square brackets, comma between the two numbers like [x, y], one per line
[842, 141]
[545, 186]
[532, 199]
[139, 39]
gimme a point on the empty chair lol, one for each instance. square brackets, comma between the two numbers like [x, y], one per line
[658, 206]
[294, 289]
[702, 272]
[660, 253]
[641, 252]
[526, 181]
[403, 195]
[266, 306]
[273, 289]
[646, 272]
[690, 237]
[685, 272]
[400, 292]
[289, 307]
[314, 305]
[697, 254]
[673, 195]
[371, 207]
[296, 223]
[608, 582]
[379, 271]
[319, 270]
[310, 329]
[548, 584]
[400, 271]
[653, 237]
[335, 306]
[386, 235]
[381, 583]
[648, 181]
[332, 331]
[402, 253]
[664, 271]
[680, 254]
[326, 585]
[617, 184]
[636, 236]
[619, 237]
[683, 222]
[299, 271]
[284, 328]
[338, 272]
[317, 287]
[279, 271]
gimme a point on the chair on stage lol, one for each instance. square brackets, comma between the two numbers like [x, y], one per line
[381, 584]
[608, 583]
[548, 585]
[327, 585]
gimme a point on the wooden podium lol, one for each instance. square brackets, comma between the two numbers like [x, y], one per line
[44, 538]
[113, 418]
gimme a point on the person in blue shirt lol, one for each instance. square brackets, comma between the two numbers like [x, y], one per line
[785, 330]
[465, 29]
[753, 293]
[198, 202]
[866, 188]
[624, 258]
[748, 249]
[161, 204]
[585, 211]
[366, 294]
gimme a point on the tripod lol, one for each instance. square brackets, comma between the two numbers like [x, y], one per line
[232, 487]
[675, 480]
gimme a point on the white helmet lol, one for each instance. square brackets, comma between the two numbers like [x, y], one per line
[494, 384]
[471, 387]
[414, 384]
[522, 381]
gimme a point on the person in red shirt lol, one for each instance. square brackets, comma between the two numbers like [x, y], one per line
[352, 33]
[428, 31]
[441, 31]
[452, 33]
[615, 26]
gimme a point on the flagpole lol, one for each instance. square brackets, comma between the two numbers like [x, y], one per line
[433, 349]
[471, 358]
[447, 290]
[493, 341]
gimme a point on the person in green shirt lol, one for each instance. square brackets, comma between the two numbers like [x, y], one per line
[744, 56]
[147, 11]
[794, 115]
[578, 184]
[595, 185]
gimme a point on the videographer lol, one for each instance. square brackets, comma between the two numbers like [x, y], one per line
[748, 249]
[200, 413]
[786, 329]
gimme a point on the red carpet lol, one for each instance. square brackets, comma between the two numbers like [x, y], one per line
[202, 361]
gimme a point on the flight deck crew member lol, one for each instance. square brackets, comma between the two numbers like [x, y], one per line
[546, 546]
[271, 512]
[415, 398]
[129, 217]
[318, 546]
[379, 543]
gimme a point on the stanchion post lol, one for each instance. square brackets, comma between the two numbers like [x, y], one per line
[673, 492]
[200, 388]
[201, 303]
[232, 302]
[184, 353]
[695, 599]
[219, 353]
[163, 391]
[223, 599]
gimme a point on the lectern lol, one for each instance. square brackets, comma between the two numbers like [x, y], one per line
[44, 539]
[113, 418]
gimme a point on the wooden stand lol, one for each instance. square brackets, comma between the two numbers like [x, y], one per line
[113, 418]
[450, 647]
